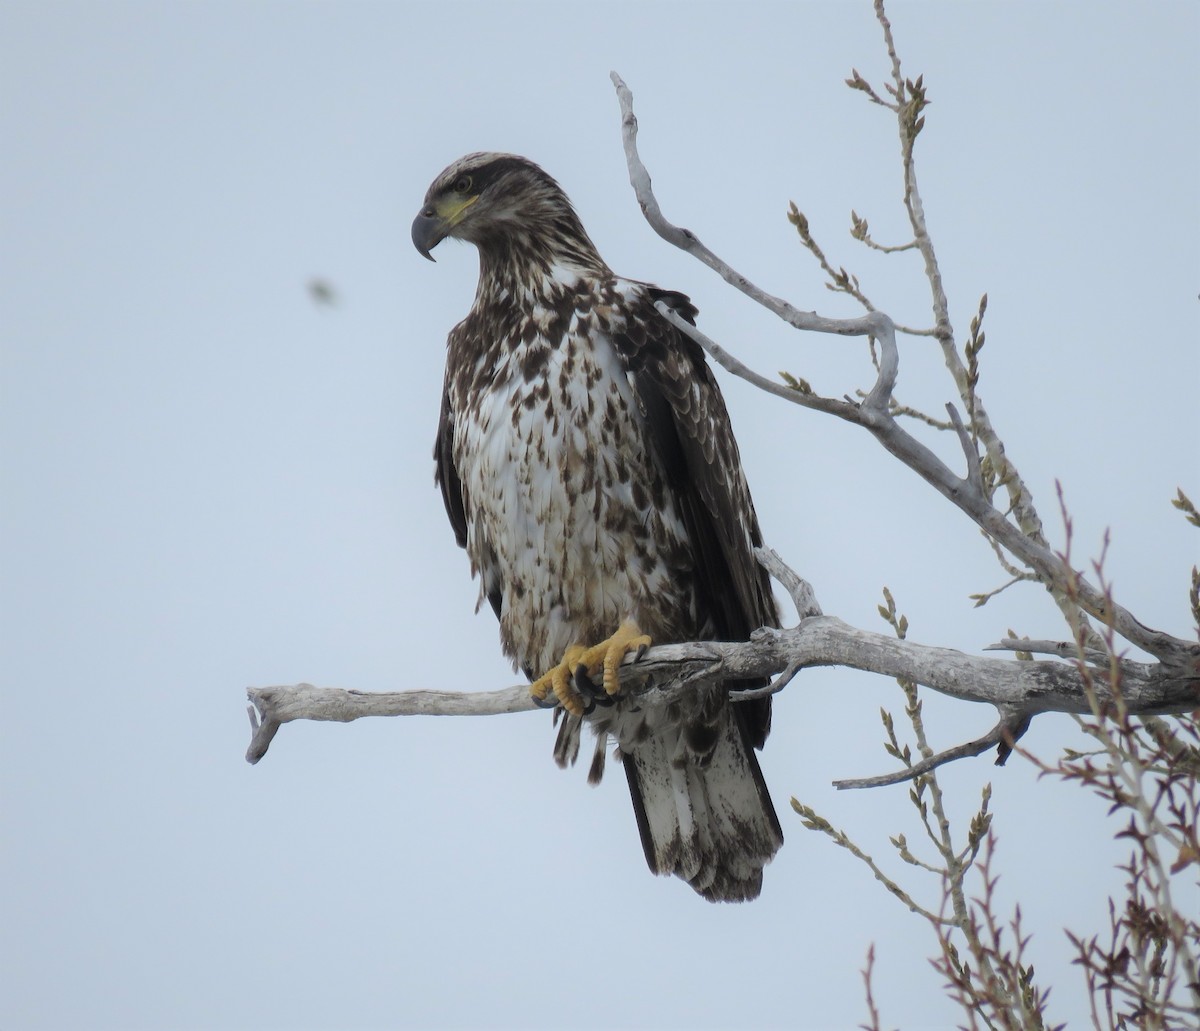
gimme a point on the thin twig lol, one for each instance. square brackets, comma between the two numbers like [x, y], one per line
[800, 590]
[1002, 737]
[974, 475]
[1063, 649]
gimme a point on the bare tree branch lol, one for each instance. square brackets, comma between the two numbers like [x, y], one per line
[1068, 650]
[1020, 690]
[1023, 539]
[271, 707]
[1003, 736]
[686, 240]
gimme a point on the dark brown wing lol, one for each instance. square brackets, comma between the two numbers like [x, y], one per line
[446, 476]
[690, 429]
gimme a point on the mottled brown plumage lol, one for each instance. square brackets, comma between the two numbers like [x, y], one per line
[588, 467]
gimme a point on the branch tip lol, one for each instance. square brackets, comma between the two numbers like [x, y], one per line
[1003, 736]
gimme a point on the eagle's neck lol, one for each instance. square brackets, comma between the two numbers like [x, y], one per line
[537, 265]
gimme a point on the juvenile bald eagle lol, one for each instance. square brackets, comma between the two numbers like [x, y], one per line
[588, 467]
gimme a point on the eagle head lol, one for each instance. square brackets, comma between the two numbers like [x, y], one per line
[498, 201]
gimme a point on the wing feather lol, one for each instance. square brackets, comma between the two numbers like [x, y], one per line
[446, 476]
[692, 437]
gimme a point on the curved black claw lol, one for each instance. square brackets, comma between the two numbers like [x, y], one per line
[549, 702]
[590, 690]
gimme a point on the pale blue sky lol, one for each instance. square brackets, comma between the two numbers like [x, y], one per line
[210, 482]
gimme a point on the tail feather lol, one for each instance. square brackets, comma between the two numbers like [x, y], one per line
[711, 824]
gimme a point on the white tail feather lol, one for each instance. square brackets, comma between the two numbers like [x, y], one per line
[712, 825]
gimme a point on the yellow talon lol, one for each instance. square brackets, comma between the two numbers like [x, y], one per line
[606, 656]
[557, 679]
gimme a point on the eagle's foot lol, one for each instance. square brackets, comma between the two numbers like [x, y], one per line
[575, 675]
[607, 655]
[556, 681]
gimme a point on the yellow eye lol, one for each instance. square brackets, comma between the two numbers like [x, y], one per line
[462, 184]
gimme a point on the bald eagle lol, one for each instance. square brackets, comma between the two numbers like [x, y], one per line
[588, 467]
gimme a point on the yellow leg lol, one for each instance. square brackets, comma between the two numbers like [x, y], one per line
[603, 657]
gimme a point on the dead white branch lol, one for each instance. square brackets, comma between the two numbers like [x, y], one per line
[1025, 540]
[271, 707]
[1018, 689]
[1021, 689]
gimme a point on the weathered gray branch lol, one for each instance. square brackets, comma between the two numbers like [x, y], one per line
[874, 415]
[1018, 689]
[271, 707]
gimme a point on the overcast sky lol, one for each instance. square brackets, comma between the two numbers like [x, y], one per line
[210, 482]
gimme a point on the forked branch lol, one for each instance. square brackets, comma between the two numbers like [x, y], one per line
[1024, 540]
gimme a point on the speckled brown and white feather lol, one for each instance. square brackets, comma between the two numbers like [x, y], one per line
[589, 469]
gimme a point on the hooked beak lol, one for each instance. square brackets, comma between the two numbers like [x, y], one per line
[437, 220]
[428, 230]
